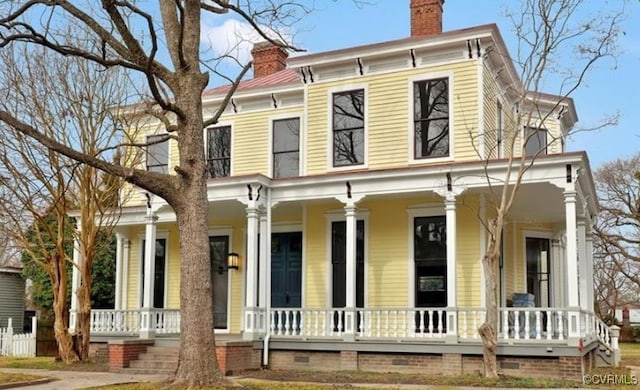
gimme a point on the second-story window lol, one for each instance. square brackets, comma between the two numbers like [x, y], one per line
[219, 151]
[535, 141]
[286, 147]
[431, 118]
[157, 158]
[348, 128]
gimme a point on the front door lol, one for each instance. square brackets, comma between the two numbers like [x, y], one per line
[218, 251]
[158, 277]
[286, 269]
[538, 270]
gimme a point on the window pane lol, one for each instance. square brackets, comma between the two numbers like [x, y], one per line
[286, 164]
[157, 154]
[219, 151]
[432, 138]
[431, 117]
[286, 135]
[348, 147]
[431, 99]
[348, 110]
[536, 141]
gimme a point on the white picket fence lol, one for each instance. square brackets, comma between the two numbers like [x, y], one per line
[18, 344]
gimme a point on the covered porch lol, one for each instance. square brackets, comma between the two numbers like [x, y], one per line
[386, 257]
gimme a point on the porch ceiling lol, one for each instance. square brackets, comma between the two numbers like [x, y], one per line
[540, 202]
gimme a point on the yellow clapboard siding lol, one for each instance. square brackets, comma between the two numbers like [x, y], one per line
[250, 135]
[388, 102]
[315, 254]
[490, 114]
[468, 254]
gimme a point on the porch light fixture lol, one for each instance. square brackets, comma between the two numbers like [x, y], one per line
[232, 260]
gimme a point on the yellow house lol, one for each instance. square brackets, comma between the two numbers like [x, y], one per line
[349, 192]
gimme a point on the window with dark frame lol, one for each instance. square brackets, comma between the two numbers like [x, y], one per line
[535, 141]
[157, 158]
[219, 151]
[499, 132]
[431, 118]
[286, 147]
[348, 128]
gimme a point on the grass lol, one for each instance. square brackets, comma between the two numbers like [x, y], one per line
[630, 354]
[6, 378]
[49, 363]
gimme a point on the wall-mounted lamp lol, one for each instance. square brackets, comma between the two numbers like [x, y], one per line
[232, 260]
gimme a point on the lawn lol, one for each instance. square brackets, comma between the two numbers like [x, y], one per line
[630, 354]
[6, 378]
[49, 363]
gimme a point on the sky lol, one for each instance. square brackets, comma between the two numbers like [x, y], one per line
[611, 88]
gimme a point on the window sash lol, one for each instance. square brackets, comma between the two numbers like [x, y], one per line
[286, 147]
[157, 156]
[348, 128]
[431, 106]
[536, 141]
[219, 151]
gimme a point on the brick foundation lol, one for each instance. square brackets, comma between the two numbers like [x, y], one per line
[235, 356]
[567, 367]
[122, 352]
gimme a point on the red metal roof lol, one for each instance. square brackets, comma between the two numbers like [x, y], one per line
[287, 76]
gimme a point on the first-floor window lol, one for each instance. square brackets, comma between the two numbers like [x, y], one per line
[219, 151]
[286, 147]
[339, 268]
[157, 158]
[535, 141]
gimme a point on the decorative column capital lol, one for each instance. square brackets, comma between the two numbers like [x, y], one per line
[570, 196]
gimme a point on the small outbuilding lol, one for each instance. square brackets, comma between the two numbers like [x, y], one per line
[11, 297]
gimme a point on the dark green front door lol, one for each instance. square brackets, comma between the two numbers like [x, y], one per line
[286, 269]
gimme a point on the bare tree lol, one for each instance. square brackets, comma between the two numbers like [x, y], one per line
[69, 100]
[170, 30]
[618, 232]
[558, 44]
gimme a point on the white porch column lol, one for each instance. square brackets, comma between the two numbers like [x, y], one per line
[557, 275]
[262, 273]
[118, 293]
[573, 303]
[450, 210]
[251, 272]
[147, 325]
[582, 264]
[589, 274]
[75, 278]
[126, 244]
[350, 238]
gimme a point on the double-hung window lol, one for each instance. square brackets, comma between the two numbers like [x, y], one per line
[219, 151]
[157, 158]
[348, 128]
[535, 141]
[286, 147]
[431, 118]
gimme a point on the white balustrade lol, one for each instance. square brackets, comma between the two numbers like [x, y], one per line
[167, 321]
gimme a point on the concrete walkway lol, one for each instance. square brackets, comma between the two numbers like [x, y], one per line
[68, 380]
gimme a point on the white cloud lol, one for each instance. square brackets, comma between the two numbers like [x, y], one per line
[235, 38]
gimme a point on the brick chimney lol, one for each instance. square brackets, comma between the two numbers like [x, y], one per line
[426, 17]
[268, 59]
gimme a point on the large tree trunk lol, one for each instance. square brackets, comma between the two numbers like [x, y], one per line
[198, 363]
[488, 330]
[61, 312]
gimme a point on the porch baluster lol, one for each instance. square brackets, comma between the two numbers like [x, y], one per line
[463, 331]
[549, 325]
[516, 325]
[505, 324]
[527, 325]
[430, 318]
[538, 331]
[560, 325]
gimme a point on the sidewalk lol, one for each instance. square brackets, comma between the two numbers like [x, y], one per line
[68, 380]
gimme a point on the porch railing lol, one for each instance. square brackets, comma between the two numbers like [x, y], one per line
[163, 321]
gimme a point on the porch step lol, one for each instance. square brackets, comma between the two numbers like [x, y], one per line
[156, 360]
